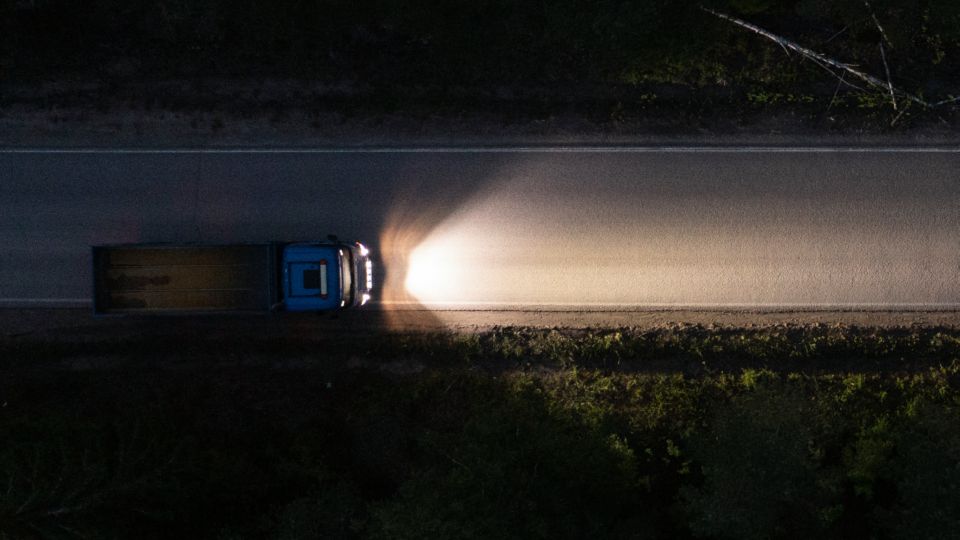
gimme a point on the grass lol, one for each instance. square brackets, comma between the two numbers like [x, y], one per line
[601, 59]
[514, 433]
[690, 349]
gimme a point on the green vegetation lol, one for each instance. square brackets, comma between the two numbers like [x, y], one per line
[599, 57]
[515, 433]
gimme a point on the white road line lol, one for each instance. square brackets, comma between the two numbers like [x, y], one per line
[46, 302]
[508, 150]
[598, 305]
[943, 305]
[7, 303]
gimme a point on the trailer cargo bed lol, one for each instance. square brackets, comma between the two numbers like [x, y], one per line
[177, 278]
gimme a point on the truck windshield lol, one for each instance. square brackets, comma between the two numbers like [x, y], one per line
[346, 270]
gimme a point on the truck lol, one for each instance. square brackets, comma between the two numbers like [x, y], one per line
[256, 277]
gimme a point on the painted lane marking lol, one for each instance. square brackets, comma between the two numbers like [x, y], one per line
[507, 150]
[513, 306]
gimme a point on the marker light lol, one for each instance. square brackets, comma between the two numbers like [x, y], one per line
[363, 249]
[364, 299]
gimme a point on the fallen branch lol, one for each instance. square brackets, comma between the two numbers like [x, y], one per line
[899, 114]
[836, 91]
[886, 68]
[840, 77]
[946, 101]
[883, 55]
[842, 30]
[876, 21]
[822, 59]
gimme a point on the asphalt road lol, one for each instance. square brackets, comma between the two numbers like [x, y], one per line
[554, 228]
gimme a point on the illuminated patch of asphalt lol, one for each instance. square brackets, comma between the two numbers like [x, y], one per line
[683, 226]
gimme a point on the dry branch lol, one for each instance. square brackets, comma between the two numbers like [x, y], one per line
[893, 97]
[883, 54]
[822, 59]
[945, 101]
[876, 21]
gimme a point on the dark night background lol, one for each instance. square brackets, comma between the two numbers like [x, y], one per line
[605, 59]
[288, 427]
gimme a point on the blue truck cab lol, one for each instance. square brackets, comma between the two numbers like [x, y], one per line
[264, 277]
[319, 277]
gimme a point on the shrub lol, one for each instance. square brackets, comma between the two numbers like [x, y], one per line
[516, 470]
[759, 464]
[926, 472]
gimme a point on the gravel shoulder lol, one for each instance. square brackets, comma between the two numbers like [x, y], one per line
[283, 113]
[25, 127]
[80, 325]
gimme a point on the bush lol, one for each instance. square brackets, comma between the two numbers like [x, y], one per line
[926, 473]
[518, 433]
[516, 470]
[759, 462]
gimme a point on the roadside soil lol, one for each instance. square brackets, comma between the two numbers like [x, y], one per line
[81, 325]
[284, 113]
[35, 342]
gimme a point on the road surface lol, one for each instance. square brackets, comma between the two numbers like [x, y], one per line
[528, 229]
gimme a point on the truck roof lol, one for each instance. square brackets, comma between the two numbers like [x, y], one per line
[313, 277]
[171, 278]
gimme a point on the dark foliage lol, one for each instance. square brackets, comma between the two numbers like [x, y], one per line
[516, 433]
[400, 49]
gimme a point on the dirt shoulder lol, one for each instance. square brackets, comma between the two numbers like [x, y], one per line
[284, 113]
[80, 325]
[651, 319]
[689, 343]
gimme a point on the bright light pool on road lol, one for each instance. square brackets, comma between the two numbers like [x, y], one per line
[733, 234]
[434, 271]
